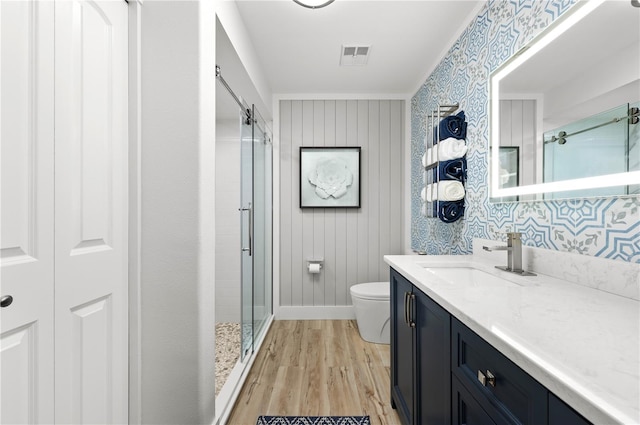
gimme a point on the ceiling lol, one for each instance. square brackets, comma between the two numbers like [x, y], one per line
[300, 48]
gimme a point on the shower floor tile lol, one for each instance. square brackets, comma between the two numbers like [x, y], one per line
[227, 351]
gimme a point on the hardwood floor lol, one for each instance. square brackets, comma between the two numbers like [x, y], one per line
[316, 368]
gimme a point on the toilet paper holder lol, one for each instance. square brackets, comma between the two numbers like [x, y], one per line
[314, 261]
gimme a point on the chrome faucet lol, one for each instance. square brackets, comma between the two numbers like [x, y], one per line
[514, 254]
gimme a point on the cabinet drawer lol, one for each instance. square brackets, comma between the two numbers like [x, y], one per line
[507, 392]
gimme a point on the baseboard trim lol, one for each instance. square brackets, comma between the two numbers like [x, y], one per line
[340, 312]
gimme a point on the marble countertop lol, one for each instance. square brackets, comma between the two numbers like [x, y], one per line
[583, 344]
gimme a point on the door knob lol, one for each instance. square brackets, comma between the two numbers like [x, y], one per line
[6, 301]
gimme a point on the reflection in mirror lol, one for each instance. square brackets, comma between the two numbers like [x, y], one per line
[568, 101]
[509, 160]
[606, 143]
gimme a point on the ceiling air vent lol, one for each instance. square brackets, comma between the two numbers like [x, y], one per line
[354, 55]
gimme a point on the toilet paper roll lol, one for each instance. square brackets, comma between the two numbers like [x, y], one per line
[314, 268]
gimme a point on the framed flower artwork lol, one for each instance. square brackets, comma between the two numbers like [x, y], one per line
[329, 177]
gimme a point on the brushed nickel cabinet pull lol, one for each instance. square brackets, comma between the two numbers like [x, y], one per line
[491, 379]
[406, 308]
[412, 300]
[482, 378]
[487, 378]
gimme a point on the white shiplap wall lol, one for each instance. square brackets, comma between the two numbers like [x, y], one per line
[351, 241]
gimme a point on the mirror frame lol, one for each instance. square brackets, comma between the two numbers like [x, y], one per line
[555, 29]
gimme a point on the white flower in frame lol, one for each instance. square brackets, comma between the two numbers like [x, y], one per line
[331, 177]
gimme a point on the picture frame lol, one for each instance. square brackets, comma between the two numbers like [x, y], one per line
[330, 177]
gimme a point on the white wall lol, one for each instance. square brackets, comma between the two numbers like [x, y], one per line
[230, 18]
[177, 212]
[352, 242]
[177, 258]
[240, 69]
[228, 221]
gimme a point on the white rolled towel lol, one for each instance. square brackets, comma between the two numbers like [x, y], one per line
[450, 190]
[423, 194]
[429, 193]
[434, 154]
[451, 148]
[424, 160]
[429, 157]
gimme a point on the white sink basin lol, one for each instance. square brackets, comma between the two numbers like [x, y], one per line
[468, 275]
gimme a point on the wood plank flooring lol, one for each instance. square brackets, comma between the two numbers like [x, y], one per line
[317, 368]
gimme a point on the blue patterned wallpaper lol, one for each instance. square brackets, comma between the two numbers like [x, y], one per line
[601, 227]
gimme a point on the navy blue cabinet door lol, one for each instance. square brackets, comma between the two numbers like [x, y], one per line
[561, 414]
[466, 410]
[402, 360]
[433, 330]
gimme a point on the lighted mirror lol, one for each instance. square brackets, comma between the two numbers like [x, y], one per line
[565, 121]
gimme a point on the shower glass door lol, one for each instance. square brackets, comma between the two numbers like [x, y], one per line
[262, 224]
[246, 226]
[257, 220]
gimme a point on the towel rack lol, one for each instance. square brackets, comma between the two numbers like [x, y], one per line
[431, 208]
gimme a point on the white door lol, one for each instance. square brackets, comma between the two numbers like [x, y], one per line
[91, 212]
[63, 356]
[26, 238]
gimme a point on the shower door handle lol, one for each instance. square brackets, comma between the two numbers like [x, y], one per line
[250, 211]
[250, 229]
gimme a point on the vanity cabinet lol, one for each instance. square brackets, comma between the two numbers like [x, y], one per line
[402, 350]
[444, 373]
[420, 356]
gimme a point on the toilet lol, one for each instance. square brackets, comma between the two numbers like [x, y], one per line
[371, 305]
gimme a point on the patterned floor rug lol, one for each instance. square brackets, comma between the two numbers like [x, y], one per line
[314, 420]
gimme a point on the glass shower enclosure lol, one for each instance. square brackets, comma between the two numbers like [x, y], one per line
[256, 227]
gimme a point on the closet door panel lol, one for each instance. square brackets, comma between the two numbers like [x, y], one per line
[91, 211]
[26, 249]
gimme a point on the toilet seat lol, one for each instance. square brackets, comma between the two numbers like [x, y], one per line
[371, 291]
